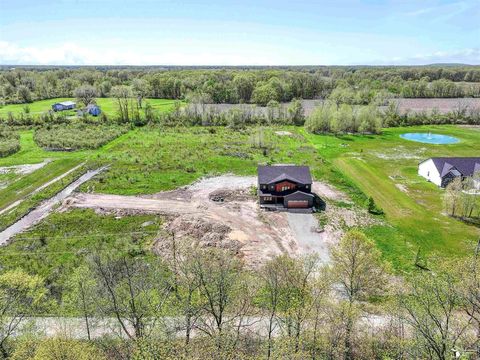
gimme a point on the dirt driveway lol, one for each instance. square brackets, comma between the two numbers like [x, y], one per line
[223, 212]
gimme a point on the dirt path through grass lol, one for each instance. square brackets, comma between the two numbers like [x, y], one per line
[45, 208]
[40, 188]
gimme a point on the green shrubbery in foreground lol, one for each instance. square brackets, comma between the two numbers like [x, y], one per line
[199, 303]
[9, 142]
[76, 136]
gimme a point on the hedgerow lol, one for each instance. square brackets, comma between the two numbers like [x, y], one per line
[76, 136]
[9, 142]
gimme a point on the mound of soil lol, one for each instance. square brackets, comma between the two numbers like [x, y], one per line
[205, 233]
[226, 195]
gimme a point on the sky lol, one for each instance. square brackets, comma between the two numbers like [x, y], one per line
[239, 32]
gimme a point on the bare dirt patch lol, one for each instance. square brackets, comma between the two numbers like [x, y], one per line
[401, 187]
[328, 192]
[442, 105]
[400, 153]
[283, 133]
[222, 212]
[24, 169]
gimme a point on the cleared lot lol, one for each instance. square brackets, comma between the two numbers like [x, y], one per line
[223, 212]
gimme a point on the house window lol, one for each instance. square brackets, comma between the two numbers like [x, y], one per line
[267, 198]
[264, 187]
[284, 188]
[307, 186]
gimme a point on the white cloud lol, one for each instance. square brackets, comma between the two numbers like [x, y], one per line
[73, 54]
[465, 56]
[189, 54]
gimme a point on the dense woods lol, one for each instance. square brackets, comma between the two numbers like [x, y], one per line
[354, 85]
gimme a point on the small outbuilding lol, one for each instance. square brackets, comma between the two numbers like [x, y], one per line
[64, 105]
[93, 110]
[442, 170]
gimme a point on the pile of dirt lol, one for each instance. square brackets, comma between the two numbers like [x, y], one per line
[204, 233]
[228, 195]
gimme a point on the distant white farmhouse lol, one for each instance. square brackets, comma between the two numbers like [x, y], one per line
[441, 171]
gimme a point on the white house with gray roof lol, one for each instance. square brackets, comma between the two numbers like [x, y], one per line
[442, 170]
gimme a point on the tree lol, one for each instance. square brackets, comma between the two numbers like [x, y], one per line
[133, 290]
[244, 84]
[453, 196]
[21, 295]
[369, 121]
[80, 295]
[141, 89]
[86, 94]
[219, 276]
[24, 94]
[123, 94]
[264, 93]
[430, 304]
[296, 112]
[181, 257]
[358, 269]
[319, 120]
[469, 290]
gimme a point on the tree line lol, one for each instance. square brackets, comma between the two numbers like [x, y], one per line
[237, 85]
[203, 303]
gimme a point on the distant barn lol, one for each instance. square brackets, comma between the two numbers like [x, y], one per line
[64, 105]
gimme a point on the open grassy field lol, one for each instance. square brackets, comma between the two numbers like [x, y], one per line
[108, 106]
[385, 167]
[152, 159]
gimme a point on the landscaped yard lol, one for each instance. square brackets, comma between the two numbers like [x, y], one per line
[385, 167]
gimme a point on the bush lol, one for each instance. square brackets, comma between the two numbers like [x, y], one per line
[76, 136]
[373, 208]
[9, 142]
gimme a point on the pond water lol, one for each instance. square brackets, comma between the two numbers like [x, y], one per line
[430, 138]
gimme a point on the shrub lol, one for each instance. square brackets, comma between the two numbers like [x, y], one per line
[9, 142]
[373, 208]
[76, 136]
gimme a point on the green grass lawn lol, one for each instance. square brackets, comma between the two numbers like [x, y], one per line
[108, 105]
[385, 167]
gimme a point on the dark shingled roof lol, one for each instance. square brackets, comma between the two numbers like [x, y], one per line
[269, 174]
[467, 166]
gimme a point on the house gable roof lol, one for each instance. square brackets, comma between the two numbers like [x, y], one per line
[296, 193]
[66, 103]
[466, 166]
[271, 174]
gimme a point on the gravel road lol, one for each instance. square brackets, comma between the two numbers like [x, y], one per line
[309, 239]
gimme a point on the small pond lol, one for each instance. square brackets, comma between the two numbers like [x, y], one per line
[430, 138]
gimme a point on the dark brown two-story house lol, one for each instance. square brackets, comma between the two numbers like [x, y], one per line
[285, 186]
